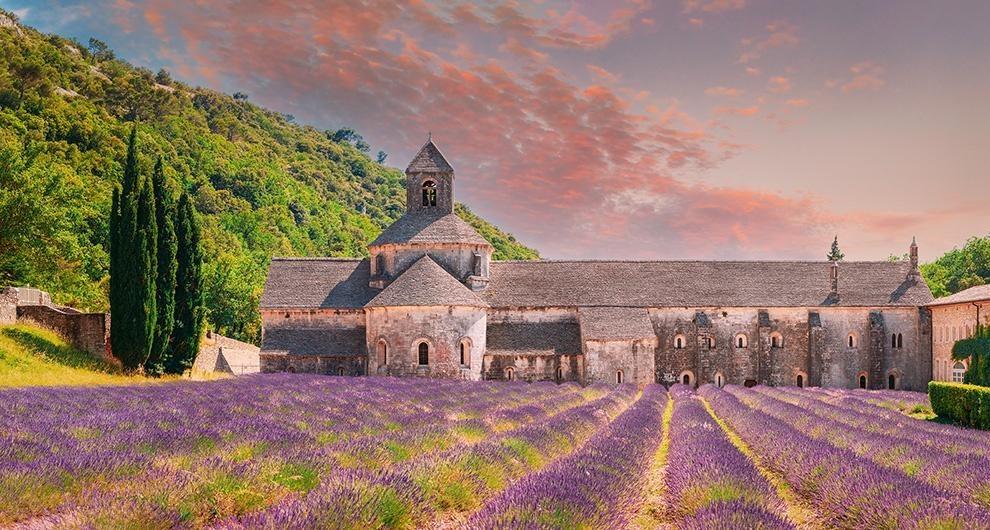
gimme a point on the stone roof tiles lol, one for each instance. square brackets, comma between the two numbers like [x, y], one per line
[533, 338]
[699, 284]
[334, 283]
[429, 159]
[315, 341]
[317, 283]
[426, 283]
[980, 293]
[429, 228]
[615, 323]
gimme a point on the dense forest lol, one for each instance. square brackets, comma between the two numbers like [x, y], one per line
[262, 185]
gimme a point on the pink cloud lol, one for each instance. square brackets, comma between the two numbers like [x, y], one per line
[723, 91]
[579, 171]
[865, 76]
[797, 102]
[780, 33]
[779, 84]
[738, 111]
[711, 6]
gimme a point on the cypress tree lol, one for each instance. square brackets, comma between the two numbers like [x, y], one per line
[165, 284]
[189, 310]
[133, 261]
[146, 267]
[123, 243]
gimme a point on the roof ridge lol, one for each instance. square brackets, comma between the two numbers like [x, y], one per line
[314, 258]
[819, 262]
[426, 283]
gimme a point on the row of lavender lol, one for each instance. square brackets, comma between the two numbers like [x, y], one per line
[194, 452]
[442, 487]
[846, 474]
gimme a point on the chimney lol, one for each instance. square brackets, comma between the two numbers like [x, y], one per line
[915, 274]
[833, 276]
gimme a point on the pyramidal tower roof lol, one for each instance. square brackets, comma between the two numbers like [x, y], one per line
[429, 159]
[426, 283]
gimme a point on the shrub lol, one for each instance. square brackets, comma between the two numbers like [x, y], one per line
[967, 405]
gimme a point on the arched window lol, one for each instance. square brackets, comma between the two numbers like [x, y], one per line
[776, 340]
[893, 340]
[429, 193]
[465, 352]
[679, 342]
[862, 380]
[618, 377]
[510, 374]
[719, 380]
[382, 352]
[560, 374]
[800, 380]
[851, 340]
[958, 372]
[711, 342]
[687, 378]
[900, 340]
[742, 341]
[340, 370]
[424, 353]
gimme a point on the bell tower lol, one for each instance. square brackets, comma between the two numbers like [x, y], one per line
[429, 183]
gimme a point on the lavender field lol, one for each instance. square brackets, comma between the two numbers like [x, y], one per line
[295, 451]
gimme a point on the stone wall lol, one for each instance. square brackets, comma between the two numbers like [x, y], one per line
[559, 368]
[951, 323]
[458, 260]
[402, 329]
[635, 359]
[811, 344]
[8, 306]
[313, 341]
[89, 332]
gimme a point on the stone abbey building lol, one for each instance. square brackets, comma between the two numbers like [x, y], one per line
[431, 302]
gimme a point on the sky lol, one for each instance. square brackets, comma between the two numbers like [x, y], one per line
[628, 129]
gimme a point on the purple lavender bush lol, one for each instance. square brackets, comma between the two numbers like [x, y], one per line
[598, 486]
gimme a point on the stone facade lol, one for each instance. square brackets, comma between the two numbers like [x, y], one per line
[89, 332]
[953, 318]
[430, 280]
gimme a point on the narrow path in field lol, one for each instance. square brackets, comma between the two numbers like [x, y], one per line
[650, 514]
[798, 511]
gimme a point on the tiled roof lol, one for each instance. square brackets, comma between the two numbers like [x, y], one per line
[429, 160]
[316, 282]
[980, 293]
[615, 323]
[700, 284]
[315, 341]
[533, 338]
[423, 227]
[426, 283]
[333, 283]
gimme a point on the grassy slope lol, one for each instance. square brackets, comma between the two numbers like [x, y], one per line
[32, 356]
[263, 185]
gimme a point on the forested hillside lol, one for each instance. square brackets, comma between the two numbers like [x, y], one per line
[263, 185]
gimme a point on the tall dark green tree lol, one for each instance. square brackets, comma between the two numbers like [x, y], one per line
[165, 283]
[189, 309]
[133, 264]
[835, 254]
